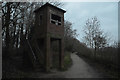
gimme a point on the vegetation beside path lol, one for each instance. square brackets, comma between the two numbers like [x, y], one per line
[67, 60]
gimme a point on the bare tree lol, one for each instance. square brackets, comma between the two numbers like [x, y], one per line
[70, 34]
[94, 36]
[17, 21]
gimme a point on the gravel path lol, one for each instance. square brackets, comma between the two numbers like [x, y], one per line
[79, 69]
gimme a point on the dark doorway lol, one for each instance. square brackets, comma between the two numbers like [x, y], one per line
[54, 60]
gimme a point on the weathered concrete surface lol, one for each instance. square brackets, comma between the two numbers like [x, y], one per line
[79, 69]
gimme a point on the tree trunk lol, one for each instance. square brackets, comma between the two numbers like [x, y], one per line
[7, 39]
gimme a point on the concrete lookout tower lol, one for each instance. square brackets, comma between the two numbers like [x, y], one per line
[49, 27]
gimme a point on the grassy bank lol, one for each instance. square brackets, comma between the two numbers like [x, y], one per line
[67, 60]
[102, 66]
[12, 68]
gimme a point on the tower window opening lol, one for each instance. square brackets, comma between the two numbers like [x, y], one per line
[55, 19]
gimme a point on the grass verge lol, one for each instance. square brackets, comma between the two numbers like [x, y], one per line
[67, 60]
[102, 66]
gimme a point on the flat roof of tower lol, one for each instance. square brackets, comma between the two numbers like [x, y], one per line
[48, 4]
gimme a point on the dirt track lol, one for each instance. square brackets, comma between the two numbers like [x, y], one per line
[79, 69]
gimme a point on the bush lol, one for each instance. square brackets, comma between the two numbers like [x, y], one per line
[67, 60]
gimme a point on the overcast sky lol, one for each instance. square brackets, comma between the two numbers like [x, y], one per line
[106, 12]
